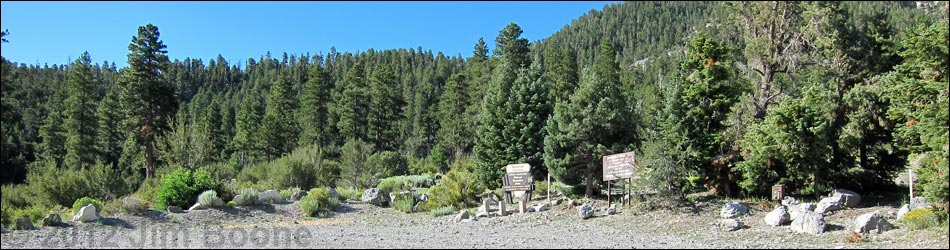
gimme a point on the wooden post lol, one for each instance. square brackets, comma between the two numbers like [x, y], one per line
[910, 179]
[608, 193]
[549, 189]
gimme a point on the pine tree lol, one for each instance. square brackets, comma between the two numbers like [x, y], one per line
[385, 109]
[278, 132]
[80, 117]
[354, 104]
[454, 128]
[109, 134]
[491, 148]
[593, 123]
[314, 102]
[510, 44]
[146, 97]
[247, 123]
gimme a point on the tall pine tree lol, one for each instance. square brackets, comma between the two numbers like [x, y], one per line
[80, 124]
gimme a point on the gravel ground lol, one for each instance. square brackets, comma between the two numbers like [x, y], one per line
[358, 225]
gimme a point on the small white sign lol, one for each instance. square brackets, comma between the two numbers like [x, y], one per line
[518, 168]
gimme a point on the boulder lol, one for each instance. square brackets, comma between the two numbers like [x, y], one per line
[52, 220]
[810, 222]
[789, 201]
[829, 204]
[334, 194]
[733, 209]
[298, 195]
[374, 196]
[482, 214]
[903, 211]
[541, 207]
[270, 196]
[730, 225]
[848, 198]
[797, 211]
[556, 201]
[174, 209]
[197, 206]
[24, 224]
[237, 198]
[779, 216]
[585, 211]
[462, 215]
[86, 214]
[871, 222]
[918, 202]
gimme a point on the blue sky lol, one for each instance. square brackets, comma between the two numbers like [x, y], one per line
[54, 32]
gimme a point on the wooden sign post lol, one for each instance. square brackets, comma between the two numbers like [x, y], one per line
[618, 166]
[518, 178]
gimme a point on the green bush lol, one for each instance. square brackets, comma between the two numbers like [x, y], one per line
[391, 163]
[565, 189]
[249, 197]
[34, 213]
[442, 211]
[350, 193]
[921, 218]
[458, 188]
[182, 186]
[206, 199]
[15, 196]
[82, 202]
[309, 206]
[286, 193]
[232, 204]
[325, 203]
[355, 169]
[422, 166]
[404, 202]
[62, 186]
[405, 183]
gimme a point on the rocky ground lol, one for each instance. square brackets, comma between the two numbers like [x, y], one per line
[358, 225]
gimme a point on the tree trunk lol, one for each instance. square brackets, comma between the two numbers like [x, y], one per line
[149, 157]
[764, 91]
[590, 184]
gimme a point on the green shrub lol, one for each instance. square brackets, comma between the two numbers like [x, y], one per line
[404, 202]
[286, 193]
[566, 190]
[232, 204]
[350, 193]
[355, 169]
[249, 197]
[34, 213]
[182, 186]
[421, 166]
[206, 199]
[458, 188]
[921, 218]
[62, 186]
[324, 203]
[147, 192]
[15, 196]
[309, 206]
[442, 211]
[82, 202]
[440, 158]
[391, 163]
[540, 189]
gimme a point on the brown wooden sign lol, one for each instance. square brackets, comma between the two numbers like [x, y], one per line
[619, 166]
[518, 182]
[778, 192]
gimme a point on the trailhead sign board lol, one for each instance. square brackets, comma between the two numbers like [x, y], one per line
[619, 166]
[518, 178]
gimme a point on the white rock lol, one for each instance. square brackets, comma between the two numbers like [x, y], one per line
[197, 206]
[918, 202]
[810, 222]
[829, 204]
[541, 207]
[779, 216]
[871, 222]
[730, 224]
[270, 196]
[797, 211]
[733, 209]
[848, 198]
[86, 214]
[462, 215]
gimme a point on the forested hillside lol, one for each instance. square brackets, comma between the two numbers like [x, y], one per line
[732, 97]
